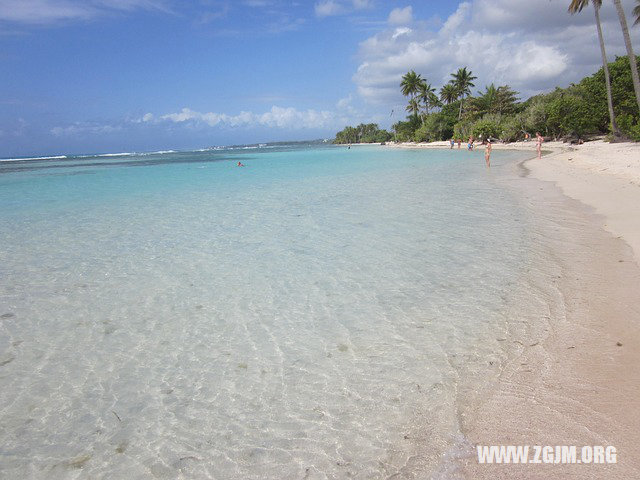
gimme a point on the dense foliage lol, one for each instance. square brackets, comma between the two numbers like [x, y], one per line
[369, 133]
[576, 112]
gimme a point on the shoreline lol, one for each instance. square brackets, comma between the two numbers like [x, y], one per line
[603, 176]
[570, 376]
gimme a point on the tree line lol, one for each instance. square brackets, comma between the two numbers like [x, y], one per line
[363, 133]
[607, 102]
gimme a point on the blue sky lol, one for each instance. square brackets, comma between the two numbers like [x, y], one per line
[84, 76]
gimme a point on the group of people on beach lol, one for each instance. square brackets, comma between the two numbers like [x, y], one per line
[459, 142]
[470, 143]
[471, 146]
[487, 151]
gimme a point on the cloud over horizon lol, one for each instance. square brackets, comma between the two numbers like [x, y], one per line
[51, 11]
[80, 78]
[281, 118]
[276, 117]
[513, 42]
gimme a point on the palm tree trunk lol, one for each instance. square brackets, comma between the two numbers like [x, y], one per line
[627, 41]
[460, 112]
[605, 65]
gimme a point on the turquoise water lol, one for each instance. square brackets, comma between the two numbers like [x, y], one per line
[322, 312]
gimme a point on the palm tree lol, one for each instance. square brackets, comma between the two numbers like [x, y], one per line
[463, 80]
[506, 99]
[426, 94]
[488, 101]
[633, 62]
[413, 107]
[577, 6]
[449, 93]
[434, 101]
[410, 84]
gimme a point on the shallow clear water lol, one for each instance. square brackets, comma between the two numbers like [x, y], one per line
[319, 313]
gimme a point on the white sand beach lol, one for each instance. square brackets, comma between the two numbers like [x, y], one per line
[572, 377]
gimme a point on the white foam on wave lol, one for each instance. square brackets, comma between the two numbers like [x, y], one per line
[127, 154]
[123, 154]
[55, 157]
[159, 152]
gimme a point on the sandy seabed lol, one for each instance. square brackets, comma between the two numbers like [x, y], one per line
[573, 376]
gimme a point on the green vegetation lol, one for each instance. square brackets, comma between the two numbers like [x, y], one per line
[606, 103]
[369, 133]
[576, 112]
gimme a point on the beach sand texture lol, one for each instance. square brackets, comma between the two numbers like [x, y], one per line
[573, 376]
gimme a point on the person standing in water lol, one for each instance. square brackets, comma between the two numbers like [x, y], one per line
[539, 140]
[487, 153]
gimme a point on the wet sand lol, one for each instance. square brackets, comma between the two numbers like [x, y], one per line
[571, 375]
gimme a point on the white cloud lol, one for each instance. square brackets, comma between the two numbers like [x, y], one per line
[277, 117]
[345, 106]
[401, 16]
[327, 8]
[43, 11]
[344, 102]
[531, 46]
[362, 4]
[51, 11]
[400, 31]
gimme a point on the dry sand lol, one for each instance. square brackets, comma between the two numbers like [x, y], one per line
[572, 376]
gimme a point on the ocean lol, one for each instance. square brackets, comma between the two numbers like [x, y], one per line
[321, 312]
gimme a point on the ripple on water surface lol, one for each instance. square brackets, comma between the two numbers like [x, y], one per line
[314, 315]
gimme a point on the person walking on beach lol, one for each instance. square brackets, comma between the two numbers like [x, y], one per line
[539, 140]
[452, 142]
[459, 142]
[487, 153]
[470, 144]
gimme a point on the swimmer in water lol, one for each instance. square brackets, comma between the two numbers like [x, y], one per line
[240, 164]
